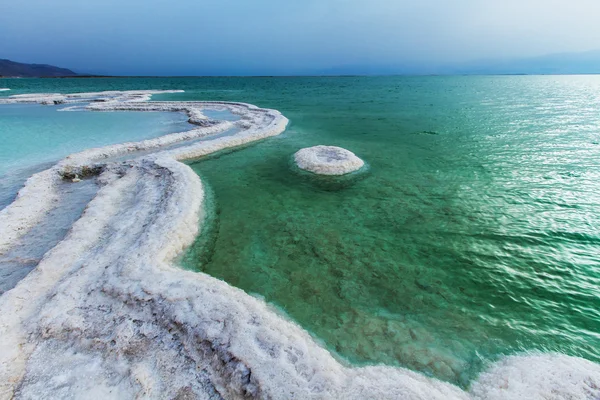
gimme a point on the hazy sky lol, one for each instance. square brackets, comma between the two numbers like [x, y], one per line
[191, 37]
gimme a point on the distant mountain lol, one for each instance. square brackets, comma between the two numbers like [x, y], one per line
[559, 64]
[15, 69]
[565, 63]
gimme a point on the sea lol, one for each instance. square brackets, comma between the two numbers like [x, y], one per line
[472, 232]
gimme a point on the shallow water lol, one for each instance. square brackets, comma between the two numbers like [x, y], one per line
[35, 136]
[26, 254]
[472, 234]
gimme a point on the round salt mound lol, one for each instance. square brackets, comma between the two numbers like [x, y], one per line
[328, 160]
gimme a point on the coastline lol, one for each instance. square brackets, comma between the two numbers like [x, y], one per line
[119, 256]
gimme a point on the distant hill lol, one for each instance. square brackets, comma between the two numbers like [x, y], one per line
[566, 63]
[15, 69]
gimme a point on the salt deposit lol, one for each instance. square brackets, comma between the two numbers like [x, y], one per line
[328, 160]
[108, 314]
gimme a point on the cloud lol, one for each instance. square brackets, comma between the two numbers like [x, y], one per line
[195, 37]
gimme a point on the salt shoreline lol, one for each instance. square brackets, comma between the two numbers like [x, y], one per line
[107, 313]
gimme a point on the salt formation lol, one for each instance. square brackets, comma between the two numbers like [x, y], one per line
[539, 376]
[328, 160]
[107, 313]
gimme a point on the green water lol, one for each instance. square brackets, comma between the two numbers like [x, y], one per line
[473, 233]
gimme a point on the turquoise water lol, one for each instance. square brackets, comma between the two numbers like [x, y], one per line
[35, 136]
[473, 234]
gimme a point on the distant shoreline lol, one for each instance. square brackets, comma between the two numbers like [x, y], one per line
[284, 76]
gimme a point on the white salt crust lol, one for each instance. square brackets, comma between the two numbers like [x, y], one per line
[327, 160]
[107, 313]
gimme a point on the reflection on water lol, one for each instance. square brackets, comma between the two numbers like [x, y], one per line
[452, 249]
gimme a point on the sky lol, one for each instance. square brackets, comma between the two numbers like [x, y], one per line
[287, 37]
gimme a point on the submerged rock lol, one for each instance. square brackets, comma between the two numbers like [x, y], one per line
[328, 160]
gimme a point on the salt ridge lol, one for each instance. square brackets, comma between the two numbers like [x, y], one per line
[108, 314]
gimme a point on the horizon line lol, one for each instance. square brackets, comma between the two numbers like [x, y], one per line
[91, 76]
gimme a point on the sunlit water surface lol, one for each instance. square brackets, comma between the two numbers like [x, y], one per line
[472, 234]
